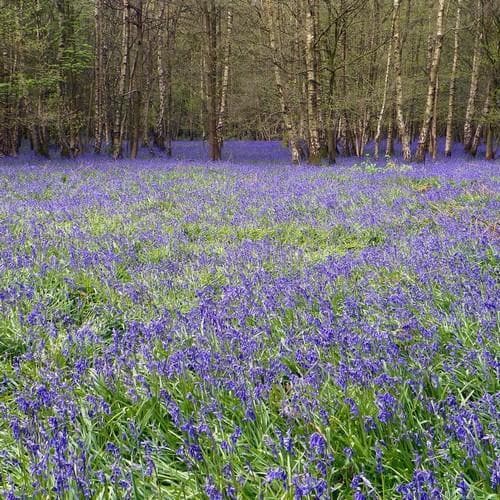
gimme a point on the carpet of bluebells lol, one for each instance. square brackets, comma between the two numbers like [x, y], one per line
[250, 329]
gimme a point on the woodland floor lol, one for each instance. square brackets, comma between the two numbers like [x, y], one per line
[174, 329]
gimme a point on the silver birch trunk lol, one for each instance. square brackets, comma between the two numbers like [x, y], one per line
[283, 99]
[474, 79]
[99, 77]
[389, 147]
[433, 133]
[225, 79]
[386, 86]
[312, 83]
[162, 86]
[453, 79]
[135, 138]
[490, 151]
[118, 127]
[403, 132]
[431, 88]
[482, 119]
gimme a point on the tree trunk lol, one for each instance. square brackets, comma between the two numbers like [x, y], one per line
[483, 118]
[403, 132]
[203, 95]
[210, 15]
[62, 111]
[318, 61]
[474, 79]
[163, 133]
[453, 79]
[169, 132]
[290, 130]
[332, 145]
[10, 101]
[345, 128]
[389, 147]
[490, 151]
[137, 92]
[147, 74]
[99, 79]
[225, 80]
[312, 83]
[386, 86]
[38, 137]
[431, 89]
[162, 86]
[171, 33]
[118, 127]
[433, 132]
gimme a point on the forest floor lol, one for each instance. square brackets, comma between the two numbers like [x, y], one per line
[175, 329]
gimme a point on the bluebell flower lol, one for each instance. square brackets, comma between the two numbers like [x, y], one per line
[195, 452]
[352, 406]
[317, 443]
[276, 474]
[495, 474]
[387, 405]
[212, 492]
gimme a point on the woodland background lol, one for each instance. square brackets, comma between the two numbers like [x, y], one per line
[325, 76]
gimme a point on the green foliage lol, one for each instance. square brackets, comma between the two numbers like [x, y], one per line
[77, 59]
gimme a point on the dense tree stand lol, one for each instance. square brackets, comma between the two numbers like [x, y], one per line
[328, 78]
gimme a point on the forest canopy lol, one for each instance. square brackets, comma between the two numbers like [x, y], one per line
[327, 77]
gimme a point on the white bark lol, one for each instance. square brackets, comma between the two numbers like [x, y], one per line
[479, 129]
[474, 80]
[283, 99]
[431, 88]
[99, 79]
[312, 83]
[386, 86]
[118, 128]
[451, 97]
[225, 79]
[403, 132]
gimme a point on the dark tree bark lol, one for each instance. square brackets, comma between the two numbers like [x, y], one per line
[136, 95]
[210, 15]
[311, 49]
[99, 79]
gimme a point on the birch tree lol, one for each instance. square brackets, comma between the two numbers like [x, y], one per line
[474, 80]
[315, 73]
[386, 87]
[431, 88]
[136, 93]
[119, 120]
[453, 79]
[311, 10]
[170, 15]
[99, 78]
[403, 132]
[290, 128]
[225, 79]
[481, 122]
